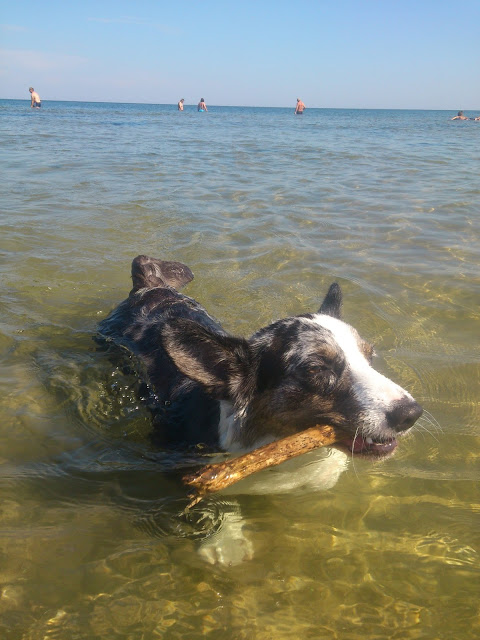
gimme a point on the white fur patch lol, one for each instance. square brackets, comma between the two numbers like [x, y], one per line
[317, 470]
[227, 428]
[372, 389]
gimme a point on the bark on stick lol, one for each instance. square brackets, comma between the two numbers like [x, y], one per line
[214, 477]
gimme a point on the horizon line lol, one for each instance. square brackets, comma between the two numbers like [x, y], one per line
[164, 104]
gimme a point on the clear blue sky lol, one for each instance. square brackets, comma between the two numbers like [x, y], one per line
[342, 53]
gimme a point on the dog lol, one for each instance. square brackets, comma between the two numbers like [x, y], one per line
[233, 394]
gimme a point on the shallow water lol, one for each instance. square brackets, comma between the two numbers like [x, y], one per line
[267, 209]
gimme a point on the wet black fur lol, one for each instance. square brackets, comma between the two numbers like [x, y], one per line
[286, 377]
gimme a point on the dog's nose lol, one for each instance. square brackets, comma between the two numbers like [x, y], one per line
[403, 414]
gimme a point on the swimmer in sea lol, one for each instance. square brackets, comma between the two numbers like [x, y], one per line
[201, 105]
[300, 108]
[35, 103]
[460, 116]
[180, 104]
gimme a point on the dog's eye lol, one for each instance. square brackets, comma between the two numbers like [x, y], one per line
[319, 370]
[322, 377]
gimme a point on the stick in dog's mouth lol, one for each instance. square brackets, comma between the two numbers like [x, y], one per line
[215, 477]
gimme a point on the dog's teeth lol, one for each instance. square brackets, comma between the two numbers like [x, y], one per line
[368, 440]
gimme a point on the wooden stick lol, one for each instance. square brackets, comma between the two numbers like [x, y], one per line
[214, 477]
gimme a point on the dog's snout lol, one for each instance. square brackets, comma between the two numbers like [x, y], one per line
[403, 414]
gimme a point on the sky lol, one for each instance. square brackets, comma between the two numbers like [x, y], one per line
[390, 54]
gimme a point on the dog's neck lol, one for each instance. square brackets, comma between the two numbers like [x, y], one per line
[230, 429]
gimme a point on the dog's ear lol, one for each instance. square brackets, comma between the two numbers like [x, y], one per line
[219, 363]
[332, 304]
[150, 272]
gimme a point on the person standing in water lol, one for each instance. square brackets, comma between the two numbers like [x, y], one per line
[201, 105]
[35, 103]
[180, 104]
[300, 108]
[460, 116]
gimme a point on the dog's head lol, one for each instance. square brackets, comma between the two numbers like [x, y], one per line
[294, 374]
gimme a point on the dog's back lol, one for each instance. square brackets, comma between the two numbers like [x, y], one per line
[183, 414]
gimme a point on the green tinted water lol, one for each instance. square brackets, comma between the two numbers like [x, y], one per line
[267, 211]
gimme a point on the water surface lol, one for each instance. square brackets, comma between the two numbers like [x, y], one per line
[267, 209]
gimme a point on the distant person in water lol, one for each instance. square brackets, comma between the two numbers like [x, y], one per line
[180, 104]
[201, 105]
[460, 116]
[300, 108]
[35, 103]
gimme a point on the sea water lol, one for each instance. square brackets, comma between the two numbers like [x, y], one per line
[267, 209]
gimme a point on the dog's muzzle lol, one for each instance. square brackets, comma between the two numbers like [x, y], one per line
[399, 419]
